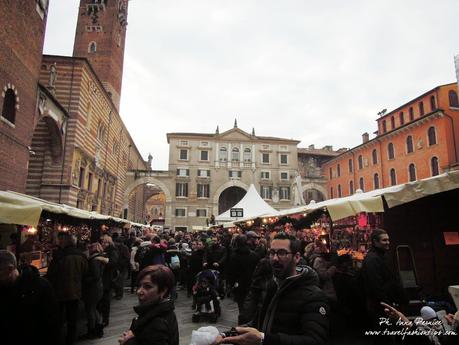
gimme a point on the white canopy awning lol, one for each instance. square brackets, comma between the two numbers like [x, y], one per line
[252, 204]
[21, 209]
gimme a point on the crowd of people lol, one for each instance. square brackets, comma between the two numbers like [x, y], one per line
[288, 291]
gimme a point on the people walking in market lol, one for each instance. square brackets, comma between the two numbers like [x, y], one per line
[134, 264]
[66, 272]
[93, 290]
[379, 282]
[196, 259]
[294, 310]
[241, 265]
[215, 257]
[29, 309]
[110, 275]
[123, 265]
[156, 322]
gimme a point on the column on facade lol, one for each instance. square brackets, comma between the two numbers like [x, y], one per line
[229, 155]
[241, 156]
[217, 158]
[253, 156]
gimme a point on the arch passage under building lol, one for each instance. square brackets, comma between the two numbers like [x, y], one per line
[313, 194]
[230, 197]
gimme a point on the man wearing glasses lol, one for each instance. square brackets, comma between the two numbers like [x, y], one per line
[294, 310]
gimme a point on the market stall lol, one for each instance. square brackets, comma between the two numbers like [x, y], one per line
[29, 225]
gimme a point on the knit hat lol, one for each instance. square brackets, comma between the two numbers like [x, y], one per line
[428, 313]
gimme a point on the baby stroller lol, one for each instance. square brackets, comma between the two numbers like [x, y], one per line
[205, 298]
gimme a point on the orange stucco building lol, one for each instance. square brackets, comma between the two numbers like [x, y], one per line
[417, 140]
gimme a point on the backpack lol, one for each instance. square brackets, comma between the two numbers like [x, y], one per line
[175, 262]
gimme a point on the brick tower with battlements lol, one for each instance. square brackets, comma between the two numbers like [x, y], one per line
[100, 37]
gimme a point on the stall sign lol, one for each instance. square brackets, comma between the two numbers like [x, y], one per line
[237, 212]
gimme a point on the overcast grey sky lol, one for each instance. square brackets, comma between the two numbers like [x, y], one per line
[316, 71]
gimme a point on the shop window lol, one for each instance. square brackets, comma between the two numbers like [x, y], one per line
[376, 181]
[351, 166]
[434, 166]
[9, 106]
[412, 172]
[401, 118]
[453, 99]
[421, 108]
[374, 156]
[411, 113]
[390, 151]
[360, 161]
[433, 105]
[431, 133]
[409, 144]
[351, 187]
[362, 184]
[393, 177]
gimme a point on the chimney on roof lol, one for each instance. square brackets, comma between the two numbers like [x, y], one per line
[365, 137]
[217, 131]
[253, 131]
[328, 148]
[311, 147]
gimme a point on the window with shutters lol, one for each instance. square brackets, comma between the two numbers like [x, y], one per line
[409, 144]
[181, 190]
[284, 193]
[204, 155]
[265, 175]
[180, 212]
[183, 155]
[266, 192]
[203, 190]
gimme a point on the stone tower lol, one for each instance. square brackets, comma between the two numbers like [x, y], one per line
[100, 37]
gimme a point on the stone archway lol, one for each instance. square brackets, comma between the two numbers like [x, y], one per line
[142, 181]
[222, 188]
[314, 187]
[230, 197]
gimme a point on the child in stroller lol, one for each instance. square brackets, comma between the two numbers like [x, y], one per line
[205, 299]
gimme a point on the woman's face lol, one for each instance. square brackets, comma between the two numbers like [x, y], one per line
[148, 292]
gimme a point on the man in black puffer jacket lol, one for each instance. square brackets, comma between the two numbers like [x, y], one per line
[294, 310]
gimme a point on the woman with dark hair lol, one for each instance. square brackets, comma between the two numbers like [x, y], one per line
[156, 322]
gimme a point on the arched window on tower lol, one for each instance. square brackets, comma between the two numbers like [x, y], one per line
[412, 172]
[392, 122]
[411, 113]
[361, 184]
[351, 187]
[453, 99]
[421, 108]
[360, 160]
[339, 191]
[401, 118]
[409, 144]
[434, 166]
[374, 156]
[393, 177]
[92, 48]
[433, 104]
[376, 181]
[431, 133]
[9, 106]
[390, 151]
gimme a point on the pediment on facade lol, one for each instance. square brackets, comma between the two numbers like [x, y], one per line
[235, 134]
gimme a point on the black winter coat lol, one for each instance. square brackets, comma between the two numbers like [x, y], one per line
[241, 266]
[29, 311]
[111, 270]
[296, 312]
[379, 282]
[155, 325]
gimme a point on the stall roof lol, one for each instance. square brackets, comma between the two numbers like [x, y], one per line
[17, 208]
[373, 201]
[252, 204]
